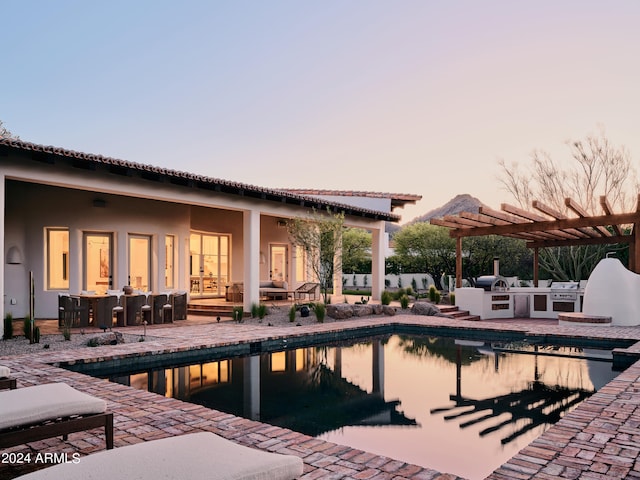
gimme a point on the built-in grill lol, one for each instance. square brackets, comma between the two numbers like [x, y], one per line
[564, 291]
[491, 283]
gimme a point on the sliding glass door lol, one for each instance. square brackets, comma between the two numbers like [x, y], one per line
[209, 263]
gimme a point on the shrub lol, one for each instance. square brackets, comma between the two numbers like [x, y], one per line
[238, 314]
[404, 302]
[320, 310]
[385, 297]
[399, 293]
[254, 310]
[432, 293]
[399, 282]
[452, 298]
[436, 298]
[414, 284]
[292, 313]
[262, 311]
[26, 327]
[409, 291]
[36, 335]
[8, 327]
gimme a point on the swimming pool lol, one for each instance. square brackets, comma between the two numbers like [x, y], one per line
[457, 405]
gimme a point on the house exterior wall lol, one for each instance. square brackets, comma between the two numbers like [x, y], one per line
[42, 194]
[31, 209]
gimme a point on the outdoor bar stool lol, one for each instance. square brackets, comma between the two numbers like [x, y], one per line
[146, 311]
[117, 309]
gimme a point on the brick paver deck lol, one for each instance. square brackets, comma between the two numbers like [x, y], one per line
[599, 439]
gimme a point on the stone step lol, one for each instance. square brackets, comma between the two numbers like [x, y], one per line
[458, 314]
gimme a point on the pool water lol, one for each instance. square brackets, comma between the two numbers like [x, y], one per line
[457, 406]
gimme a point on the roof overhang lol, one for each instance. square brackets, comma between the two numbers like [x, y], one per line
[116, 167]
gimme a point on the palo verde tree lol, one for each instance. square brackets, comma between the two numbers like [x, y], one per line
[595, 167]
[320, 236]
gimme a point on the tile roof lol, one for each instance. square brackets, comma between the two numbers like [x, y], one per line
[397, 199]
[50, 153]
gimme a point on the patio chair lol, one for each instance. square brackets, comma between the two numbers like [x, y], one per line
[180, 305]
[34, 413]
[5, 378]
[162, 308]
[196, 456]
[71, 312]
[307, 289]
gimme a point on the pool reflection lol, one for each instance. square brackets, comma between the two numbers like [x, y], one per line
[457, 406]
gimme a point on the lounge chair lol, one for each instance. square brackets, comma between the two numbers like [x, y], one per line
[5, 378]
[44, 411]
[195, 456]
[307, 289]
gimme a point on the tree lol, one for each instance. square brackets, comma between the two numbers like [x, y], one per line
[5, 133]
[424, 248]
[515, 258]
[596, 167]
[356, 251]
[320, 236]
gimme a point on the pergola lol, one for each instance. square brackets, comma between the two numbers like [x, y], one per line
[547, 228]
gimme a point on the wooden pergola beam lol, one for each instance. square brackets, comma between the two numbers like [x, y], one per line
[582, 213]
[582, 241]
[551, 212]
[548, 225]
[604, 203]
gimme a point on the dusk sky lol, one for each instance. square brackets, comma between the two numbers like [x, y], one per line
[419, 97]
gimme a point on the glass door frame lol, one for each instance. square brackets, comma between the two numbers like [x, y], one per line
[104, 263]
[278, 258]
[209, 283]
[141, 285]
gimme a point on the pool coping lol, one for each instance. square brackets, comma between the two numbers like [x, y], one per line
[596, 440]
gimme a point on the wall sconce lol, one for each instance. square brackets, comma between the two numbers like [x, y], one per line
[14, 256]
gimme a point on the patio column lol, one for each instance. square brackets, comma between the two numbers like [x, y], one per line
[536, 266]
[251, 256]
[458, 262]
[378, 246]
[337, 270]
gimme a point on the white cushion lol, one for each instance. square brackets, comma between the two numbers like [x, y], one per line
[196, 456]
[30, 405]
[4, 371]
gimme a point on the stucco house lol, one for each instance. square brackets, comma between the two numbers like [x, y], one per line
[81, 221]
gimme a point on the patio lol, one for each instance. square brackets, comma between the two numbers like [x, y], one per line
[597, 440]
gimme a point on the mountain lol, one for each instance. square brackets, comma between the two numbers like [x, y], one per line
[460, 203]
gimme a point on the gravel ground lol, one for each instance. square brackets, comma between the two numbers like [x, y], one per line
[20, 345]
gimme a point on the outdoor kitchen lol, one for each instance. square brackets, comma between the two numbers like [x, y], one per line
[496, 301]
[495, 296]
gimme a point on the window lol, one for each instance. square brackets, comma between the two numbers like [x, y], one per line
[57, 259]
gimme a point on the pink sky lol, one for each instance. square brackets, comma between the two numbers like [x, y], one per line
[410, 96]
